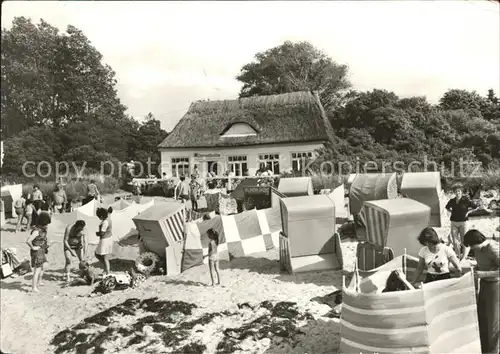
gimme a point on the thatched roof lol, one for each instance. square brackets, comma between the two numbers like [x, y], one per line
[286, 118]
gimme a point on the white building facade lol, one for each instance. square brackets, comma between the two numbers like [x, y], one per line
[281, 133]
[276, 157]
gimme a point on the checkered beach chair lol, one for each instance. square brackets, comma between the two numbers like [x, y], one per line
[240, 235]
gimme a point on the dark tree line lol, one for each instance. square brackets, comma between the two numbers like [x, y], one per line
[59, 102]
[378, 125]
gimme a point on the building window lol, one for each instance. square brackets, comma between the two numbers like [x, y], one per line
[239, 130]
[237, 164]
[180, 166]
[299, 160]
[270, 162]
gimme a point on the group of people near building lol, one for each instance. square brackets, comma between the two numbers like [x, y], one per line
[436, 256]
[37, 209]
[190, 190]
[29, 206]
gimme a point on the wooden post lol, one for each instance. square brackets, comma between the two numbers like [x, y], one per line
[404, 263]
[356, 273]
[474, 281]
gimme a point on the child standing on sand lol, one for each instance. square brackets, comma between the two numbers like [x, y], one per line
[37, 241]
[213, 257]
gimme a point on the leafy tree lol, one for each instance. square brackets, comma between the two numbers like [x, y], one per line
[86, 156]
[53, 78]
[145, 142]
[294, 67]
[59, 101]
[492, 97]
[33, 145]
[470, 102]
[491, 110]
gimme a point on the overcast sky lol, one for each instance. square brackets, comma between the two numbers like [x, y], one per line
[168, 54]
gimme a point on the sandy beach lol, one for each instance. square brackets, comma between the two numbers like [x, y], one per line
[250, 297]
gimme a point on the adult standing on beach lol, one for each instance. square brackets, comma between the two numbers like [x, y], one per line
[37, 193]
[183, 190]
[75, 244]
[20, 208]
[92, 192]
[36, 211]
[59, 199]
[460, 208]
[488, 265]
[435, 256]
[105, 246]
[196, 172]
[29, 214]
[194, 190]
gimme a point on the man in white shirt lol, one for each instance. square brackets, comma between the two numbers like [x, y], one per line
[37, 193]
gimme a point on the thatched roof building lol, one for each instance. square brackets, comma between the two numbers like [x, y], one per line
[285, 118]
[275, 133]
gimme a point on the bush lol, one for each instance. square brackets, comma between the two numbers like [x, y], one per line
[159, 189]
[487, 180]
[153, 190]
[325, 182]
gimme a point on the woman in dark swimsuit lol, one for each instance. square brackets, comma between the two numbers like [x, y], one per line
[37, 210]
[75, 245]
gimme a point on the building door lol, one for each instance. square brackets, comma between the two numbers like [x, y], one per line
[213, 166]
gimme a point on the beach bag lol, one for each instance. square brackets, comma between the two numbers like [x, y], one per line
[23, 268]
[372, 256]
[6, 270]
[227, 205]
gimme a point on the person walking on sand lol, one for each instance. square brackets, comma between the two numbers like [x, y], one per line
[20, 209]
[488, 301]
[35, 214]
[92, 192]
[29, 214]
[105, 247]
[184, 190]
[194, 190]
[59, 199]
[75, 245]
[460, 208]
[39, 247]
[37, 193]
[213, 257]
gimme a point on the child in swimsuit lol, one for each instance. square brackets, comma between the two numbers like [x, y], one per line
[38, 244]
[213, 257]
